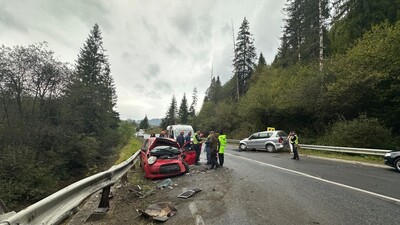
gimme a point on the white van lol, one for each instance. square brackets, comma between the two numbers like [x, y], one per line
[174, 130]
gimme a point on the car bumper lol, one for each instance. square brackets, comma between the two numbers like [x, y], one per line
[389, 161]
[164, 169]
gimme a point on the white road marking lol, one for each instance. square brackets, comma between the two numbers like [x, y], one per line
[193, 210]
[320, 179]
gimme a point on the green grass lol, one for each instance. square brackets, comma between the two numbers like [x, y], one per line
[344, 156]
[134, 145]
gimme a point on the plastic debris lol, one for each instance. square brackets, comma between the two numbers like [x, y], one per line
[189, 193]
[165, 183]
[159, 211]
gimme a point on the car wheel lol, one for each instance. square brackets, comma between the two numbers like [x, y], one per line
[242, 147]
[270, 148]
[397, 164]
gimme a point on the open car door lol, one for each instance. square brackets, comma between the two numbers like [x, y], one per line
[189, 154]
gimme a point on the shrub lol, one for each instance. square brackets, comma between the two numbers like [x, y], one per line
[362, 132]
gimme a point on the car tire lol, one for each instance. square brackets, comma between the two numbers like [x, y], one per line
[270, 148]
[242, 147]
[397, 164]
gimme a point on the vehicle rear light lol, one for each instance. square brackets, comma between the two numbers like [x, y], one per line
[280, 140]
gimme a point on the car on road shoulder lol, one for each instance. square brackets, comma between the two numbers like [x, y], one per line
[140, 133]
[393, 159]
[162, 157]
[270, 141]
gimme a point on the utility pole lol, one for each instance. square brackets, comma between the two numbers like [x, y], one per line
[321, 38]
[234, 69]
[212, 68]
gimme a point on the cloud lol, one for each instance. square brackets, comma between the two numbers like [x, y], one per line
[163, 87]
[156, 48]
[152, 71]
[8, 21]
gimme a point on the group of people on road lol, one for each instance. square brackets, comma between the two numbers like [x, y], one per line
[187, 143]
[215, 149]
[214, 146]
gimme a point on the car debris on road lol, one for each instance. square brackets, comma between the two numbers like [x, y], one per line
[159, 211]
[189, 193]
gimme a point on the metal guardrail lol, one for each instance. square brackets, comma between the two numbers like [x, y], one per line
[362, 151]
[57, 207]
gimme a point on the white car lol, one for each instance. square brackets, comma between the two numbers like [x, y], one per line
[140, 133]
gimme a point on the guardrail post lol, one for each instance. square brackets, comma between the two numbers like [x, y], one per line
[104, 204]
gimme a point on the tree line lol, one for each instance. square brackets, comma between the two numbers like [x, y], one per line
[57, 120]
[335, 78]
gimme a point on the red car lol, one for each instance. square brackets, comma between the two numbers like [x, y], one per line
[162, 157]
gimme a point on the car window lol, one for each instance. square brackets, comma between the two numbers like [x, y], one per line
[281, 134]
[146, 142]
[265, 135]
[254, 136]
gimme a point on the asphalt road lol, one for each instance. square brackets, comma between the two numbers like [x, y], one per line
[273, 189]
[270, 188]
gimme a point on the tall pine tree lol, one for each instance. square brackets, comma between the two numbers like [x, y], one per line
[171, 115]
[144, 124]
[245, 57]
[192, 109]
[354, 17]
[183, 113]
[304, 32]
[91, 94]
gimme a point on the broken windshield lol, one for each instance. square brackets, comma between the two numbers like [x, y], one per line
[164, 150]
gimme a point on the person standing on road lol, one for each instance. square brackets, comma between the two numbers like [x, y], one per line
[207, 150]
[188, 140]
[213, 150]
[290, 145]
[196, 146]
[180, 139]
[294, 141]
[222, 144]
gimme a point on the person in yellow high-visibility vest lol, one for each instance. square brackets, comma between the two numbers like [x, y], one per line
[294, 141]
[196, 146]
[222, 144]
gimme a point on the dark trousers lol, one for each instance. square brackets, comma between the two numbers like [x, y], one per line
[295, 153]
[221, 159]
[198, 151]
[214, 162]
[208, 155]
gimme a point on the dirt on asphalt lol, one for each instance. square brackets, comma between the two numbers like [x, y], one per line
[138, 193]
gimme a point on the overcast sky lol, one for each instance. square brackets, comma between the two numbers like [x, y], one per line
[156, 48]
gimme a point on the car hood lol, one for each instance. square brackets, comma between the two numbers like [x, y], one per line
[164, 142]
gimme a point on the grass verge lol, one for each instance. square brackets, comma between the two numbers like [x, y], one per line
[130, 149]
[344, 156]
[137, 177]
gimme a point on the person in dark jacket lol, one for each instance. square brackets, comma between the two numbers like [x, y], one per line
[207, 150]
[188, 143]
[180, 139]
[213, 150]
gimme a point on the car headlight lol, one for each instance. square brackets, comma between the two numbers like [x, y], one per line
[387, 154]
[151, 160]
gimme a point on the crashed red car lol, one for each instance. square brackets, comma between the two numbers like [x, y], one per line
[162, 157]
